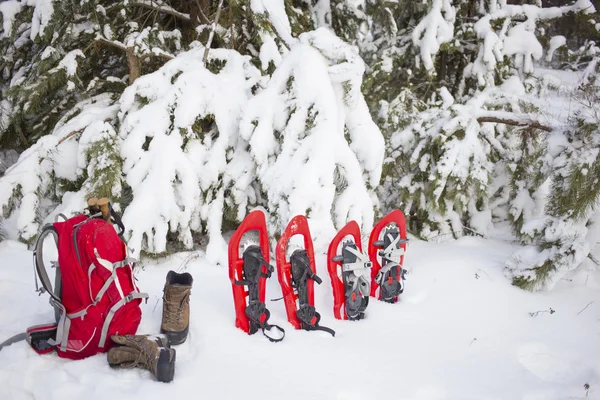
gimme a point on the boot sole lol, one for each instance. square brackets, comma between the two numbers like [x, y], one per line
[176, 338]
[165, 369]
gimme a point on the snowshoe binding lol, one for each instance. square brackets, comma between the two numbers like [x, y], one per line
[299, 275]
[251, 271]
[388, 244]
[351, 292]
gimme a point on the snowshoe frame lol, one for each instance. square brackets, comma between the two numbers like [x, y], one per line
[351, 292]
[252, 271]
[391, 248]
[299, 274]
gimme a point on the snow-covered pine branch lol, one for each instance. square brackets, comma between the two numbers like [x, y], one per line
[316, 148]
[31, 186]
[179, 129]
[517, 37]
[436, 28]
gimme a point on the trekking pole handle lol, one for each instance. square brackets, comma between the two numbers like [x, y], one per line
[104, 208]
[93, 205]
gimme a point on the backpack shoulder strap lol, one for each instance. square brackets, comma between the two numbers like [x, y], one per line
[38, 262]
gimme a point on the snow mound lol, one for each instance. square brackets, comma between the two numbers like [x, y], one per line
[460, 331]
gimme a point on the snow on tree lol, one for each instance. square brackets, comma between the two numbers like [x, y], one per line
[56, 53]
[316, 148]
[180, 133]
[517, 38]
[174, 130]
[177, 155]
[465, 141]
[46, 173]
[561, 238]
[436, 28]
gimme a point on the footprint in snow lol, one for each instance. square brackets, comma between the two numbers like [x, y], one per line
[551, 365]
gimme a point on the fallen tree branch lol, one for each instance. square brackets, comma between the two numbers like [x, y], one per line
[585, 307]
[529, 123]
[153, 5]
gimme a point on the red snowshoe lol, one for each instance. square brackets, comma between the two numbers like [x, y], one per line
[351, 291]
[299, 274]
[388, 244]
[251, 270]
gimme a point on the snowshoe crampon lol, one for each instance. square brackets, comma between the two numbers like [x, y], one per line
[387, 246]
[351, 290]
[248, 274]
[299, 274]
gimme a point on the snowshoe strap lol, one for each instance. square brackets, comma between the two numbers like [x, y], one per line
[385, 270]
[257, 311]
[362, 261]
[253, 267]
[358, 286]
[393, 251]
[310, 318]
[357, 294]
[259, 315]
[301, 272]
[387, 279]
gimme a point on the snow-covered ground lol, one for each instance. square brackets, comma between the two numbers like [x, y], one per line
[461, 331]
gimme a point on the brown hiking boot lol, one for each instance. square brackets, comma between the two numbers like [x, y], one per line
[145, 351]
[176, 307]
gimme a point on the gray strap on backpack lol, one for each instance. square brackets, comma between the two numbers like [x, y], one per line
[17, 338]
[39, 266]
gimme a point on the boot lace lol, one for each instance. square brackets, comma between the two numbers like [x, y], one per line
[174, 311]
[143, 359]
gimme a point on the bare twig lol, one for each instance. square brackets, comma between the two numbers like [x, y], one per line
[514, 122]
[193, 256]
[212, 32]
[64, 139]
[535, 314]
[202, 12]
[21, 134]
[69, 135]
[585, 307]
[154, 5]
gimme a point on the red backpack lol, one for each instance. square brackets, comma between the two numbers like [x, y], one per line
[95, 295]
